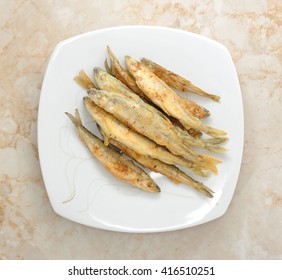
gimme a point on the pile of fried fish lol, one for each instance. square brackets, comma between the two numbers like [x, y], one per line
[142, 117]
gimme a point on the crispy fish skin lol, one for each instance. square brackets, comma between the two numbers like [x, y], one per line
[140, 117]
[109, 83]
[171, 79]
[175, 80]
[121, 74]
[170, 171]
[114, 129]
[116, 163]
[164, 97]
[193, 132]
[105, 81]
[126, 78]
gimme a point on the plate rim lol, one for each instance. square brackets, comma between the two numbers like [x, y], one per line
[49, 62]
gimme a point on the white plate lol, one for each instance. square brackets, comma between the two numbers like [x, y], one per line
[100, 200]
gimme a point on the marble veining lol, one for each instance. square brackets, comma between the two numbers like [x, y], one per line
[251, 228]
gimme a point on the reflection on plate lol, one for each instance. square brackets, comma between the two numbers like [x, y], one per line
[79, 188]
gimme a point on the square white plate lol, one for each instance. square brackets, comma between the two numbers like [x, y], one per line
[95, 197]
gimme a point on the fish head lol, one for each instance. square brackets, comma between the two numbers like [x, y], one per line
[131, 63]
[104, 80]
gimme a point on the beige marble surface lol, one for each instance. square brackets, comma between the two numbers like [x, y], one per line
[252, 227]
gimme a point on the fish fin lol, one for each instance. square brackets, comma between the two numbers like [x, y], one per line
[211, 166]
[77, 117]
[76, 120]
[216, 141]
[84, 80]
[194, 89]
[204, 190]
[215, 148]
[213, 144]
[215, 132]
[200, 172]
[113, 60]
[105, 137]
[108, 67]
[72, 118]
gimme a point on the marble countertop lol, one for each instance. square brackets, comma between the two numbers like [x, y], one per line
[252, 226]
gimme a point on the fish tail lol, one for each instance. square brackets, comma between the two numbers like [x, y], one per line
[209, 163]
[209, 167]
[215, 141]
[84, 80]
[213, 169]
[196, 168]
[204, 162]
[182, 177]
[215, 132]
[194, 89]
[76, 120]
[213, 144]
[214, 148]
[208, 144]
[105, 137]
[108, 67]
[199, 171]
[204, 190]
